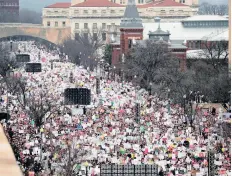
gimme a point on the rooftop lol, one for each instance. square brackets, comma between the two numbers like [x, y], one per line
[160, 32]
[179, 32]
[206, 18]
[217, 35]
[97, 3]
[107, 3]
[169, 3]
[131, 17]
[60, 5]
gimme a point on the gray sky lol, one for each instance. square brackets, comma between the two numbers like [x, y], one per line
[37, 5]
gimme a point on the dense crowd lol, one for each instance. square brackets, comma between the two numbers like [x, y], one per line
[108, 132]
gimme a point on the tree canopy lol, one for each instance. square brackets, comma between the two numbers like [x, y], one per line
[152, 62]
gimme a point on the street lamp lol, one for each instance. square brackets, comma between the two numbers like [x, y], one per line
[150, 88]
[184, 97]
[11, 45]
[169, 102]
[80, 58]
[88, 70]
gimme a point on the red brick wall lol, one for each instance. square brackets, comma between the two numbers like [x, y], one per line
[128, 34]
[182, 57]
[116, 52]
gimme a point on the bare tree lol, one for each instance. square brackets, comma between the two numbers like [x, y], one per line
[39, 106]
[86, 48]
[213, 9]
[152, 62]
[7, 60]
[216, 52]
[36, 104]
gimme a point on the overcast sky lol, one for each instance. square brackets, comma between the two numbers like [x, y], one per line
[37, 5]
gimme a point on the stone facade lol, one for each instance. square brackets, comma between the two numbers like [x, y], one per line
[81, 13]
[54, 35]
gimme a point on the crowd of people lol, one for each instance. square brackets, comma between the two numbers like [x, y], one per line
[69, 140]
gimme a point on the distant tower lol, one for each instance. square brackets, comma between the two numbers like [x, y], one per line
[159, 34]
[9, 11]
[131, 27]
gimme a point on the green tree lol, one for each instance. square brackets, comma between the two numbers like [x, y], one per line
[108, 54]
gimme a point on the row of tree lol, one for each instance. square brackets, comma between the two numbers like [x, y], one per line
[154, 63]
[213, 9]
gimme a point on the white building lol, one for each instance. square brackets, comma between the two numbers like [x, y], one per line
[91, 14]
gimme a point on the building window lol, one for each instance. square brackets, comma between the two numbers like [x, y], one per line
[112, 11]
[162, 11]
[171, 11]
[85, 11]
[112, 24]
[94, 11]
[77, 36]
[76, 25]
[64, 23]
[56, 11]
[86, 25]
[104, 36]
[56, 24]
[76, 11]
[103, 11]
[140, 1]
[94, 25]
[103, 25]
[121, 11]
[48, 23]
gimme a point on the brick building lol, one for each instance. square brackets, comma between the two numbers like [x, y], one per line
[9, 11]
[131, 32]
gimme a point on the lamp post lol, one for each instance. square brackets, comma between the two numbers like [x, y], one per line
[39, 56]
[71, 77]
[11, 45]
[150, 88]
[80, 58]
[184, 97]
[169, 102]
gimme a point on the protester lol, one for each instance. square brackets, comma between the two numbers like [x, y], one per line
[107, 132]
